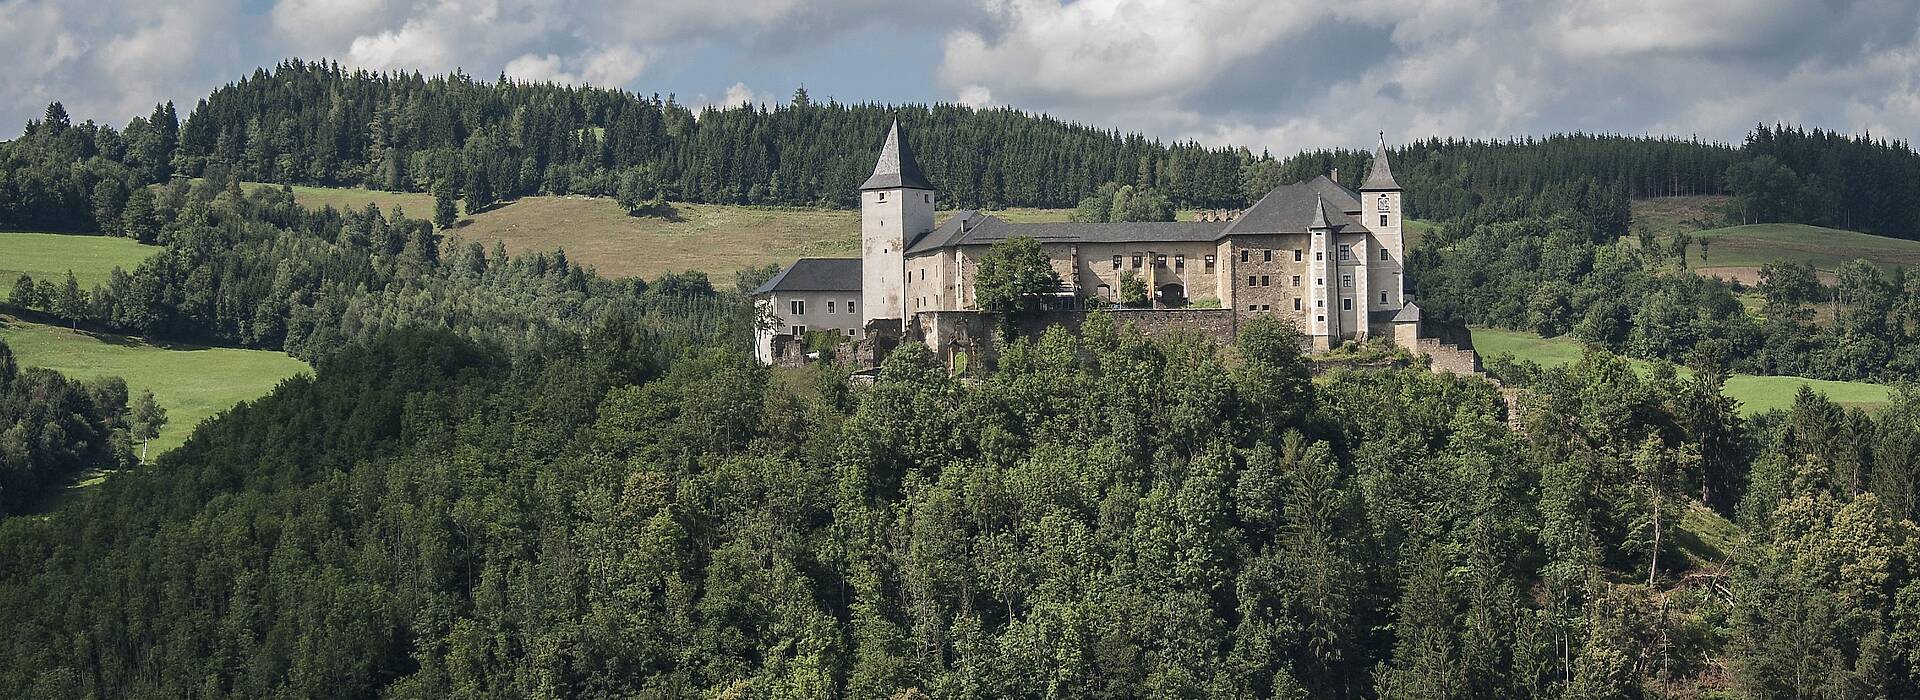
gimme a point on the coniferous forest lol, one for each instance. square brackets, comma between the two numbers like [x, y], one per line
[510, 477]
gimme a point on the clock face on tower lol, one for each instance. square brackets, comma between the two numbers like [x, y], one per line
[1383, 203]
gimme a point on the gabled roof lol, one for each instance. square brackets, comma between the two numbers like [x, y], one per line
[896, 167]
[1291, 208]
[1380, 176]
[816, 275]
[972, 228]
[1408, 313]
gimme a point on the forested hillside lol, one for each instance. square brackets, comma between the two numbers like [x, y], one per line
[611, 515]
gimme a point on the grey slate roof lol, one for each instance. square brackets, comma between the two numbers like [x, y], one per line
[1380, 176]
[973, 228]
[1287, 209]
[896, 166]
[816, 275]
[1319, 214]
[1292, 208]
[1405, 314]
[1408, 313]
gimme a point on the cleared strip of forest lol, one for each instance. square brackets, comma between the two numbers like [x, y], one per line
[193, 382]
[1756, 394]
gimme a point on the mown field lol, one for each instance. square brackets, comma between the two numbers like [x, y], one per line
[192, 382]
[1736, 252]
[49, 256]
[1756, 394]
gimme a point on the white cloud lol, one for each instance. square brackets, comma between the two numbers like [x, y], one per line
[609, 67]
[1264, 73]
[738, 94]
[1288, 76]
[975, 96]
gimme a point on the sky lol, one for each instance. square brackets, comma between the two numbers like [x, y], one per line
[1280, 75]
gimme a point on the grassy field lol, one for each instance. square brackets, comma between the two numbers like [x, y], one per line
[1737, 252]
[1665, 216]
[192, 382]
[50, 255]
[1756, 394]
[713, 238]
[418, 205]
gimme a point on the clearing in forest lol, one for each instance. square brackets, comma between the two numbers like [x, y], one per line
[48, 256]
[1756, 394]
[193, 382]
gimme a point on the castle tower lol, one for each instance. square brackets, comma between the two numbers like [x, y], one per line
[1324, 322]
[896, 205]
[1380, 208]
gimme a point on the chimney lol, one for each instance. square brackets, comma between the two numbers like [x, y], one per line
[1336, 174]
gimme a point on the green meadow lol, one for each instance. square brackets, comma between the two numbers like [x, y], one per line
[1756, 394]
[50, 255]
[192, 382]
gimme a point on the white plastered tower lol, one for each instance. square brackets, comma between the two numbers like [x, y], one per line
[896, 205]
[1381, 209]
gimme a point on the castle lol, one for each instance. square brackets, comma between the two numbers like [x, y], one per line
[1325, 257]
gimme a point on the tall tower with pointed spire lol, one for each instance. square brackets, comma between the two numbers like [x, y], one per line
[896, 205]
[1324, 324]
[1380, 208]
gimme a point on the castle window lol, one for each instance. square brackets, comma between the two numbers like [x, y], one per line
[883, 196]
[1159, 261]
[1116, 262]
[849, 306]
[1319, 256]
[1383, 254]
[1296, 303]
[829, 306]
[1321, 319]
[799, 331]
[1243, 255]
[1266, 281]
[1296, 255]
[799, 307]
[1296, 280]
[849, 332]
[1266, 307]
[1253, 281]
[1346, 281]
[1136, 262]
[1346, 252]
[1346, 304]
[1209, 263]
[1383, 220]
[1319, 303]
[1319, 281]
[923, 274]
[928, 198]
[1383, 297]
[1253, 307]
[1269, 254]
[1179, 262]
